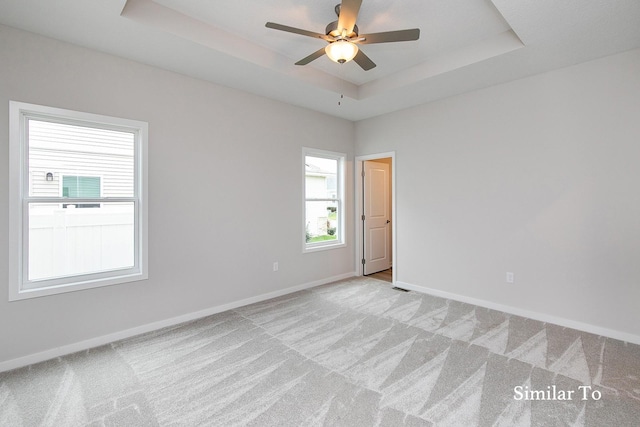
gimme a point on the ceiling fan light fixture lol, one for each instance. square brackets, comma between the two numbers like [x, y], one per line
[341, 51]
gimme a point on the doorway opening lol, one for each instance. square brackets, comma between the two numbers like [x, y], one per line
[375, 216]
[385, 275]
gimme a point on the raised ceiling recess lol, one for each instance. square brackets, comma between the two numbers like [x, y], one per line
[463, 44]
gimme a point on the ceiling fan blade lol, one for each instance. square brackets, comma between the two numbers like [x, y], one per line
[363, 61]
[315, 55]
[348, 14]
[294, 30]
[390, 36]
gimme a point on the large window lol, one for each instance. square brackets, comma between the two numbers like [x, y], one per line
[323, 199]
[77, 200]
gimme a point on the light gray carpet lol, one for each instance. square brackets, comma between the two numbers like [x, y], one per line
[353, 353]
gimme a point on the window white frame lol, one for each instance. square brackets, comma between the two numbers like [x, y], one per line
[339, 199]
[20, 287]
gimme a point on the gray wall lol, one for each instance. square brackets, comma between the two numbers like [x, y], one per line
[539, 177]
[225, 181]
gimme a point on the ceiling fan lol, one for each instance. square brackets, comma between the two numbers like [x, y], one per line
[343, 37]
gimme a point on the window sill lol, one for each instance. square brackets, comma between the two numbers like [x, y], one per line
[309, 249]
[76, 286]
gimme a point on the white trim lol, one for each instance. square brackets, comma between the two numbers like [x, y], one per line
[542, 317]
[359, 210]
[149, 327]
[15, 194]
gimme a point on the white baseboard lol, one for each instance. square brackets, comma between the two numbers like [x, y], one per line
[542, 317]
[128, 333]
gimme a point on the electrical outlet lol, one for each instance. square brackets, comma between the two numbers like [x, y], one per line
[275, 266]
[510, 278]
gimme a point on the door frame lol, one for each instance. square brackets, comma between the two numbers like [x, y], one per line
[359, 160]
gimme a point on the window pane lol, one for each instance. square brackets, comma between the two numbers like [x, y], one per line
[321, 221]
[81, 186]
[321, 178]
[61, 152]
[64, 242]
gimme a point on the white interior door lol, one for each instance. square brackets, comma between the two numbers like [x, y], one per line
[377, 217]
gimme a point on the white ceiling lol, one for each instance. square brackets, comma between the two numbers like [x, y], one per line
[464, 44]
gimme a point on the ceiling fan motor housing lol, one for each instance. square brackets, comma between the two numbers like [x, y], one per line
[333, 31]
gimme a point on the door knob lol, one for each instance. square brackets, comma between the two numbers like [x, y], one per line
[388, 221]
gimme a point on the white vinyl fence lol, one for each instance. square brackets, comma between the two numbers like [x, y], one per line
[77, 241]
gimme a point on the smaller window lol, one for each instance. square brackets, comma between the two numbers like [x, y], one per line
[323, 199]
[79, 187]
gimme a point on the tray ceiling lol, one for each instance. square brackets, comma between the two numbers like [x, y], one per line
[464, 44]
